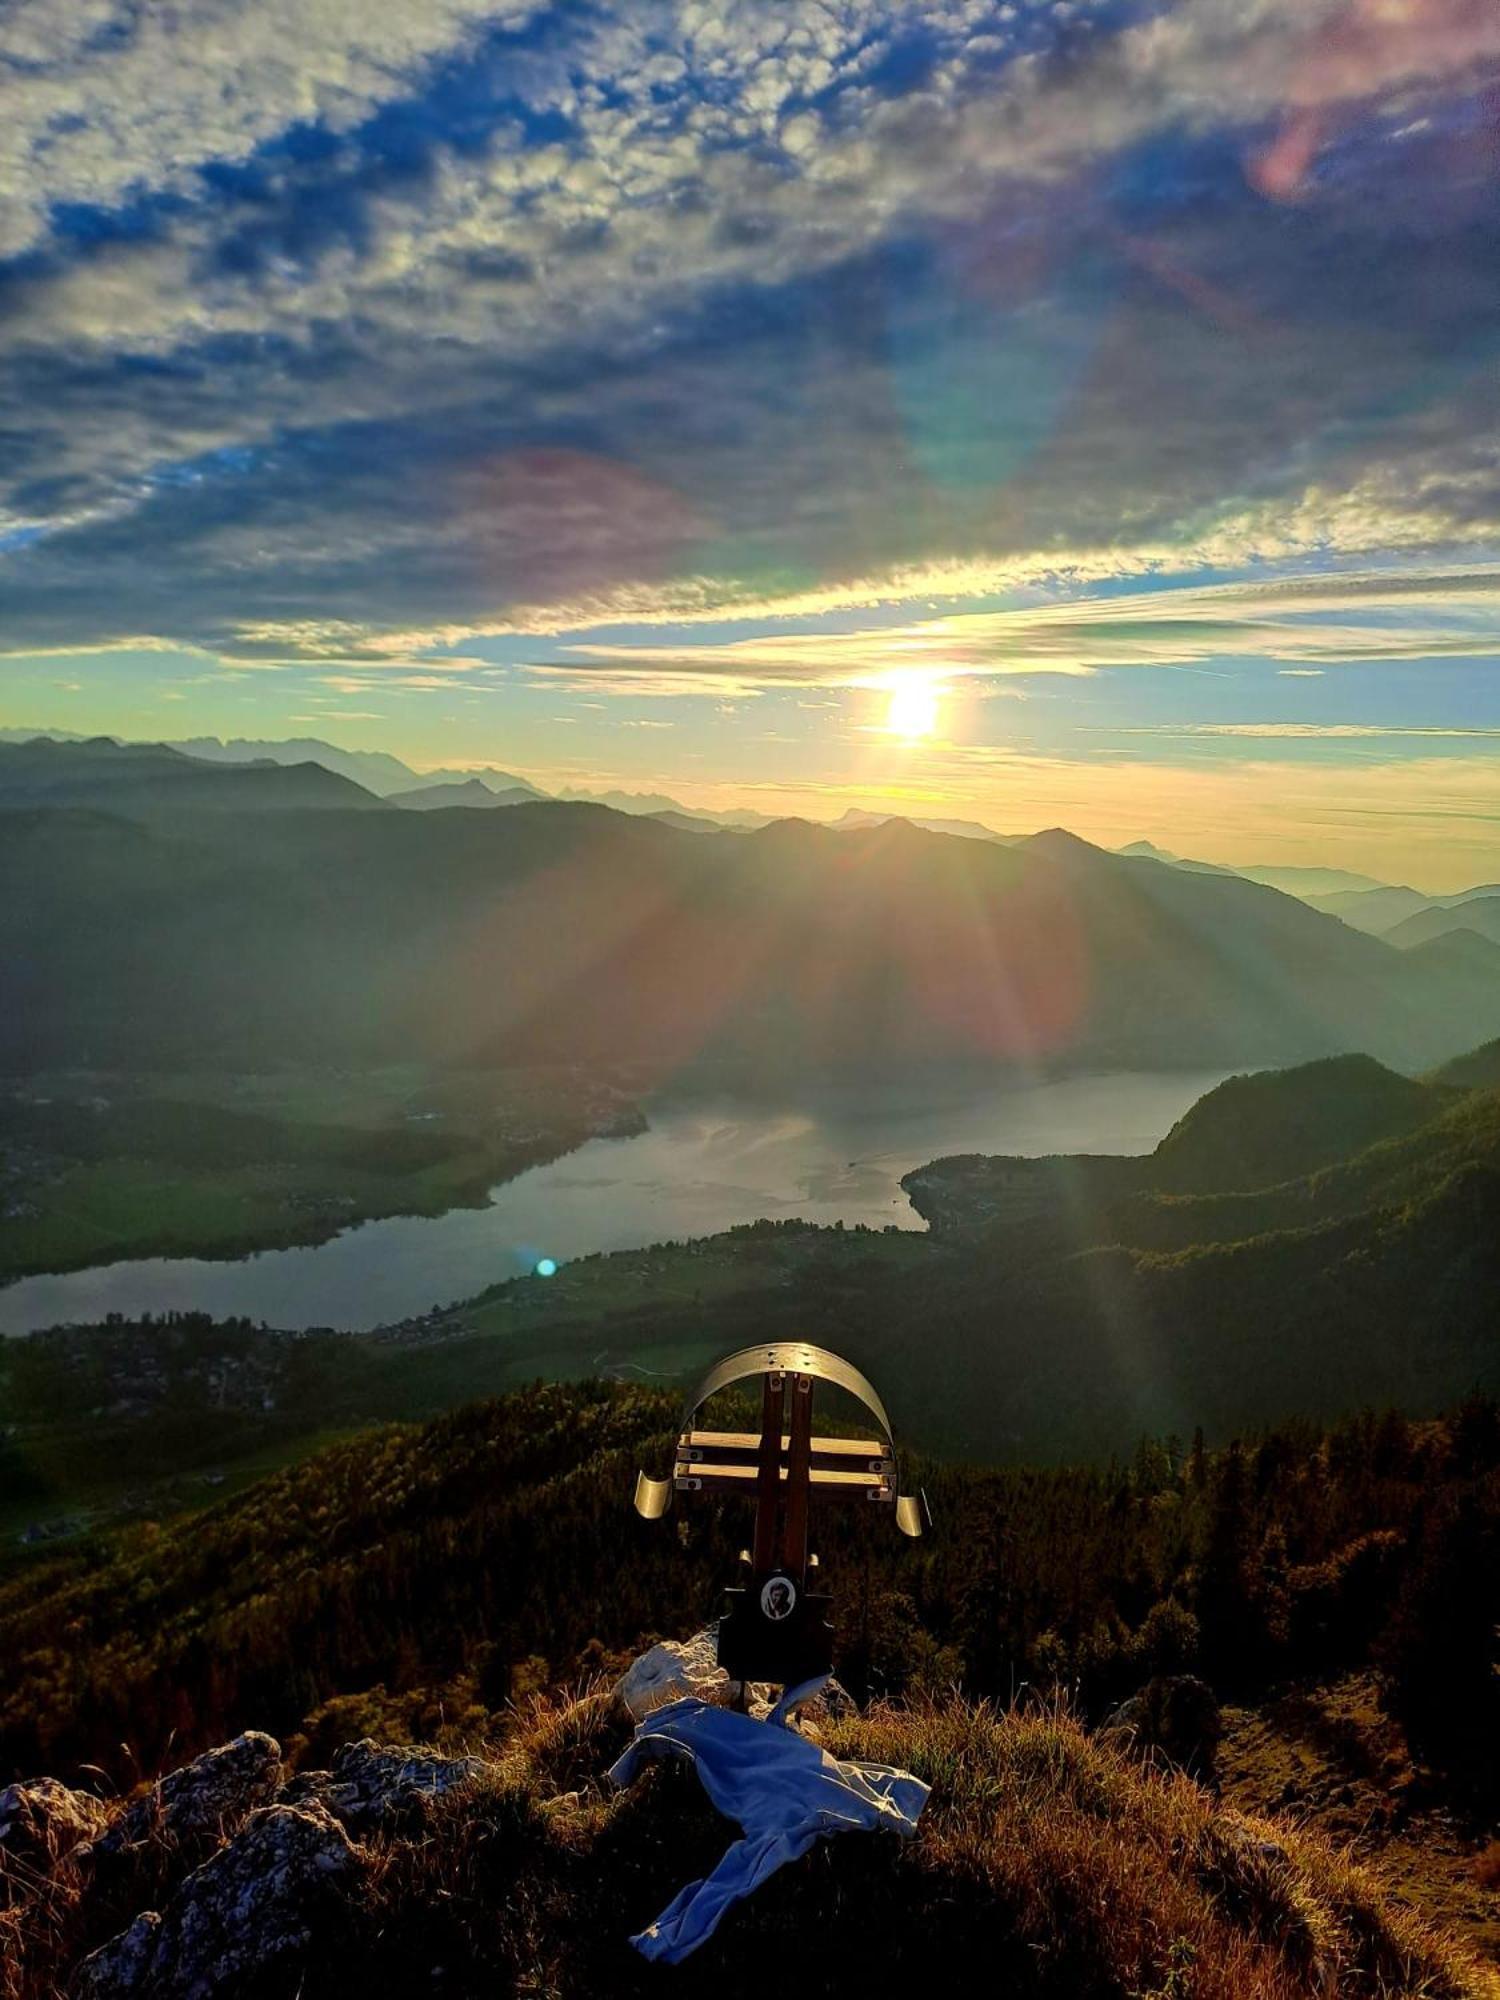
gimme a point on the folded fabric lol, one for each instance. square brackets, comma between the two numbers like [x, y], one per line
[782, 1790]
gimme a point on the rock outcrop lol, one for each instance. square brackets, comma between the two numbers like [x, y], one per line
[377, 1785]
[667, 1672]
[250, 1908]
[679, 1667]
[205, 1799]
[42, 1819]
[286, 1856]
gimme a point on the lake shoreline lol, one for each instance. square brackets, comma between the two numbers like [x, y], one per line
[694, 1169]
[313, 1209]
[312, 1232]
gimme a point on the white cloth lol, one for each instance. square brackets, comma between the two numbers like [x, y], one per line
[784, 1791]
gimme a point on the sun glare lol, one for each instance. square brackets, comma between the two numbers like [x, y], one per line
[912, 711]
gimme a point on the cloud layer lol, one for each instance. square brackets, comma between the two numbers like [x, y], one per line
[1335, 619]
[353, 333]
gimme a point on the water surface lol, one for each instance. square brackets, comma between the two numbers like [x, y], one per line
[702, 1166]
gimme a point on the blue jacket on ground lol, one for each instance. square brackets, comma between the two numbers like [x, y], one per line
[784, 1791]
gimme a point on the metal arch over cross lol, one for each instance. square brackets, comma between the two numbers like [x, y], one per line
[775, 1628]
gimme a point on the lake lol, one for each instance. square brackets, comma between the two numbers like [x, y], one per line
[701, 1167]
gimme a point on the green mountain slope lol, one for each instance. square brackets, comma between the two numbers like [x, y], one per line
[1254, 1131]
[466, 1548]
[1101, 1343]
[1089, 1287]
[1248, 1156]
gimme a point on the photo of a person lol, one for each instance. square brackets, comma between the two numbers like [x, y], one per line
[778, 1598]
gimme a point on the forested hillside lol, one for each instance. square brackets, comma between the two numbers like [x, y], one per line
[1478, 1070]
[421, 1576]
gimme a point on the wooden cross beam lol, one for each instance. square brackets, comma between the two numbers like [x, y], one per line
[774, 1628]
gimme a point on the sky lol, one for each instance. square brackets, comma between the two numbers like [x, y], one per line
[1084, 413]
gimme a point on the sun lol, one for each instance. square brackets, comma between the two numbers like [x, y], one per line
[912, 711]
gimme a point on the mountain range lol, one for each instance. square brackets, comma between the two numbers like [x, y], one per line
[1402, 915]
[158, 930]
[151, 780]
[1379, 908]
[468, 792]
[376, 770]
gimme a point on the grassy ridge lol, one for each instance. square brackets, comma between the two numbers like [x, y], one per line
[1057, 1865]
[415, 1581]
[1064, 1867]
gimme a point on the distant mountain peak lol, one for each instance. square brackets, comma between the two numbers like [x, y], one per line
[1058, 841]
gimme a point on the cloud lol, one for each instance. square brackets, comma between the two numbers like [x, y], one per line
[354, 333]
[1337, 619]
[102, 100]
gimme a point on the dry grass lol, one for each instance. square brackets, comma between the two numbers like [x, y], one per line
[41, 1896]
[1053, 1865]
[1056, 1864]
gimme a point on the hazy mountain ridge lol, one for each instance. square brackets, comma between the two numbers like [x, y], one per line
[492, 936]
[1359, 900]
[1384, 911]
[147, 780]
[1309, 883]
[1479, 914]
[377, 770]
[387, 776]
[469, 792]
